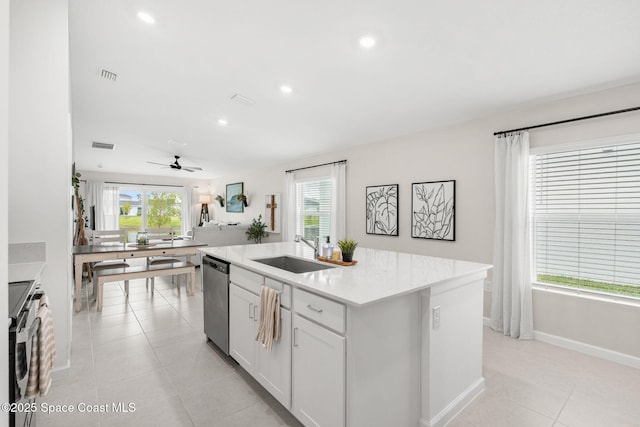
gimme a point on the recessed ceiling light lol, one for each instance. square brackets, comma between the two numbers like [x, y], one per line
[286, 89]
[367, 42]
[174, 142]
[146, 18]
[222, 122]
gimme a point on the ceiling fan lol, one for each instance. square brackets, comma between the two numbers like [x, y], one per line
[177, 166]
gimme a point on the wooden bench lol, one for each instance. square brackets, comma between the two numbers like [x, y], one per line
[144, 271]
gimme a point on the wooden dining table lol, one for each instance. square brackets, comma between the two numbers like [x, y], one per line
[122, 251]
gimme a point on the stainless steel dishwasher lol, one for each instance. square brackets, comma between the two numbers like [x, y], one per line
[215, 289]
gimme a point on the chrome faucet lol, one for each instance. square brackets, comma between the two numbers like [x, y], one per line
[315, 246]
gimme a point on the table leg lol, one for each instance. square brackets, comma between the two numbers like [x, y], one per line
[78, 281]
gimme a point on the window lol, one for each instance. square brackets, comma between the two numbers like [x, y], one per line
[141, 209]
[586, 218]
[313, 208]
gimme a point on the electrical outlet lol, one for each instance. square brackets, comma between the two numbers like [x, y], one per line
[436, 317]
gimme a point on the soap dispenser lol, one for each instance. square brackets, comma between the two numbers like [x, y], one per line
[328, 249]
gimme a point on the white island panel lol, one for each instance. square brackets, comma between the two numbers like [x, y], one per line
[400, 367]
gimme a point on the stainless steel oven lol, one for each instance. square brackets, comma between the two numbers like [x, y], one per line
[24, 301]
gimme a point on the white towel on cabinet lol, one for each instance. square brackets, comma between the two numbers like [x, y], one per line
[269, 326]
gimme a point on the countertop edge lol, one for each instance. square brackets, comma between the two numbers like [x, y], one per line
[274, 273]
[26, 271]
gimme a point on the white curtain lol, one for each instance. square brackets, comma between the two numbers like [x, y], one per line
[289, 229]
[110, 207]
[338, 204]
[94, 198]
[511, 306]
[188, 209]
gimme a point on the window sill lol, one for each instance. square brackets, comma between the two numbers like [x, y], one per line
[583, 293]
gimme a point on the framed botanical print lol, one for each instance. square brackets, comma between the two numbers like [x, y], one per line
[382, 210]
[433, 210]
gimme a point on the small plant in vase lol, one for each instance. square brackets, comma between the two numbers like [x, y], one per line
[220, 200]
[256, 230]
[347, 247]
[242, 198]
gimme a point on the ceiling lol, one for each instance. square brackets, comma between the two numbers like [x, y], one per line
[434, 63]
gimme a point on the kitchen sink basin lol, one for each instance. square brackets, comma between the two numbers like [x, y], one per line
[294, 265]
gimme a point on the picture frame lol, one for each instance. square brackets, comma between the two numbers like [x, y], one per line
[433, 210]
[233, 204]
[382, 209]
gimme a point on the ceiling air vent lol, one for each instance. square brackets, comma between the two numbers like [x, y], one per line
[243, 100]
[103, 145]
[106, 74]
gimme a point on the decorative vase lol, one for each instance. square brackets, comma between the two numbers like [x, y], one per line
[347, 257]
[142, 238]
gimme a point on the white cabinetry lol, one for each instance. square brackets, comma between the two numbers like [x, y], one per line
[272, 369]
[243, 311]
[318, 374]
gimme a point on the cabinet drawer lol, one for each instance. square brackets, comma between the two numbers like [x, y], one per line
[322, 310]
[283, 288]
[140, 254]
[246, 279]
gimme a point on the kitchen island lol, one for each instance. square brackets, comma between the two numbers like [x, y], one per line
[394, 340]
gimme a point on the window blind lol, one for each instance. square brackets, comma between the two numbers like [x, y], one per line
[586, 217]
[313, 207]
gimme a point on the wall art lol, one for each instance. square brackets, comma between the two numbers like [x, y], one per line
[382, 210]
[272, 212]
[233, 204]
[433, 210]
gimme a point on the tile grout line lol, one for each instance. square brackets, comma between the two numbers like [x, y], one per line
[563, 406]
[93, 359]
[156, 354]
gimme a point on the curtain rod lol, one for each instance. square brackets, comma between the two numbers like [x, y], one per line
[593, 116]
[317, 166]
[146, 185]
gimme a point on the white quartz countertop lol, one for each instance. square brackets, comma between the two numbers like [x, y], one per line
[21, 272]
[378, 275]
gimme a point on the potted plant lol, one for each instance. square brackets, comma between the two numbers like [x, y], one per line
[256, 230]
[347, 247]
[242, 198]
[220, 200]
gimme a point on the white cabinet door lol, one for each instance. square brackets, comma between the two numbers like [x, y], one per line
[318, 390]
[243, 312]
[273, 368]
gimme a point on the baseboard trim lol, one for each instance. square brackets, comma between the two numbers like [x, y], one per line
[591, 350]
[456, 406]
[580, 347]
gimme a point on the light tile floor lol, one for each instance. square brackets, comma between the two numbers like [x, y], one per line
[151, 351]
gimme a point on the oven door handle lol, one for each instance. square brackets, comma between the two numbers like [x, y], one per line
[26, 334]
[26, 337]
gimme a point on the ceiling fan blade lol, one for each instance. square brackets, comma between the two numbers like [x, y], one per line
[154, 163]
[195, 168]
[184, 168]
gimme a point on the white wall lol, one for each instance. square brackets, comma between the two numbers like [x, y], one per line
[464, 152]
[40, 148]
[4, 190]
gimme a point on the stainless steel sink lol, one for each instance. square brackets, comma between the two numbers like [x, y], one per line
[294, 265]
